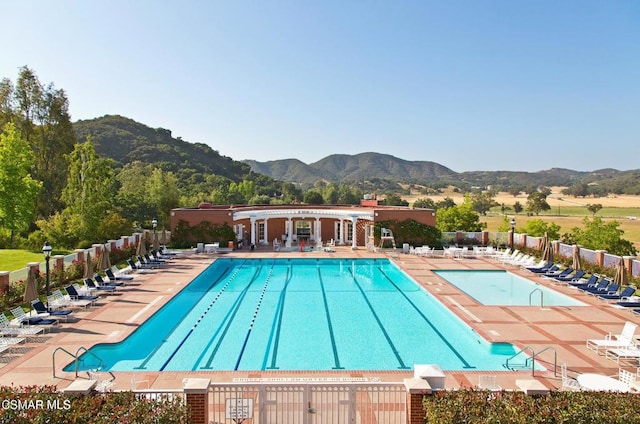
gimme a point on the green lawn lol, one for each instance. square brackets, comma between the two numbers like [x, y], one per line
[12, 259]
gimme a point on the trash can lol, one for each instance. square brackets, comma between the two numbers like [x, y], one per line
[230, 244]
[200, 247]
[405, 248]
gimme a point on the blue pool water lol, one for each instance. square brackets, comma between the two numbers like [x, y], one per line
[300, 314]
[504, 288]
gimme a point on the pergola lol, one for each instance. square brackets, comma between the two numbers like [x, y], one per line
[341, 215]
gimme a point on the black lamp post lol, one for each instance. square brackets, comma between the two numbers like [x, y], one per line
[46, 251]
[513, 231]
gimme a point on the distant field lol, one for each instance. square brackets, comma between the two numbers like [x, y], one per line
[568, 212]
[12, 259]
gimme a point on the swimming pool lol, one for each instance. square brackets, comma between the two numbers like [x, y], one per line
[498, 287]
[300, 314]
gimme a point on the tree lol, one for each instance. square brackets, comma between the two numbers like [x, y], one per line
[313, 197]
[515, 190]
[537, 202]
[164, 194]
[392, 199]
[459, 218]
[517, 207]
[425, 203]
[18, 190]
[89, 191]
[538, 228]
[594, 207]
[483, 202]
[598, 235]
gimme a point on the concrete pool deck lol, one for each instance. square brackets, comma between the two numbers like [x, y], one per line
[564, 329]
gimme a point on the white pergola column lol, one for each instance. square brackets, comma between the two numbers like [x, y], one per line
[354, 221]
[266, 231]
[289, 226]
[318, 234]
[341, 232]
[253, 230]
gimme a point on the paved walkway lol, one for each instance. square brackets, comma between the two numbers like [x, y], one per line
[565, 329]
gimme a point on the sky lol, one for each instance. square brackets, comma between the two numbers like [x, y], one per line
[475, 85]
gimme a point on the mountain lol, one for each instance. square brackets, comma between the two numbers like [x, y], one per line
[354, 168]
[125, 140]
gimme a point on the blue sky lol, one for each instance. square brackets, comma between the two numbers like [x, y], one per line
[472, 85]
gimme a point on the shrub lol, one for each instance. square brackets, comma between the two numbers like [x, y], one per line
[409, 231]
[45, 405]
[474, 406]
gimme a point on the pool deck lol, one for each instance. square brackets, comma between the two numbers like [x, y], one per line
[563, 329]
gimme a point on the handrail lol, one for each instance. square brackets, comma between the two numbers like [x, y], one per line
[541, 296]
[75, 360]
[53, 356]
[555, 358]
[533, 359]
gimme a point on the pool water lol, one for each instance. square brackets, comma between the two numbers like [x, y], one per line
[300, 314]
[497, 287]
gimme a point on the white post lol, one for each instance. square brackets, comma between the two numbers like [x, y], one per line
[266, 237]
[354, 221]
[289, 225]
[253, 230]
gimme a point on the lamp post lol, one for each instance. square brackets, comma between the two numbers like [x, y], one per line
[513, 231]
[46, 251]
[154, 224]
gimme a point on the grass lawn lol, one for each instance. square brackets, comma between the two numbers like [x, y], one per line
[13, 259]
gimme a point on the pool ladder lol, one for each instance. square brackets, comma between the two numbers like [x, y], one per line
[76, 358]
[532, 359]
[541, 296]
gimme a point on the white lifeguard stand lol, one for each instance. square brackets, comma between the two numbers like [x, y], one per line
[386, 235]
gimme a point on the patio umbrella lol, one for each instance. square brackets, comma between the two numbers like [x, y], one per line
[107, 259]
[30, 287]
[104, 258]
[142, 248]
[163, 237]
[621, 274]
[156, 242]
[547, 253]
[577, 262]
[88, 266]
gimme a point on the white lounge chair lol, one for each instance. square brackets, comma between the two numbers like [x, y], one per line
[624, 340]
[569, 383]
[488, 382]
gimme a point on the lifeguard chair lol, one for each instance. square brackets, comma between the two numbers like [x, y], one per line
[386, 235]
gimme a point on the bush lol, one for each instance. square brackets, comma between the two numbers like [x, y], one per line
[474, 406]
[45, 405]
[409, 231]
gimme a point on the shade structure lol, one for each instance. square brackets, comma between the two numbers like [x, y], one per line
[104, 258]
[88, 266]
[31, 287]
[577, 261]
[156, 242]
[141, 250]
[547, 251]
[621, 274]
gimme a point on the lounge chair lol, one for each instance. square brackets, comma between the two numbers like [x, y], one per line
[624, 340]
[600, 286]
[7, 330]
[624, 353]
[101, 282]
[612, 288]
[74, 295]
[541, 269]
[23, 319]
[558, 274]
[624, 294]
[101, 289]
[113, 277]
[43, 312]
[591, 281]
[575, 277]
[569, 383]
[137, 267]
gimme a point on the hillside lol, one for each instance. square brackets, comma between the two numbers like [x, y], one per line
[125, 140]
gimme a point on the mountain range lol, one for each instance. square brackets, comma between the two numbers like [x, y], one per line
[125, 140]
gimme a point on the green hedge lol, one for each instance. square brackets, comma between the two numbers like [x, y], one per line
[473, 406]
[43, 404]
[409, 231]
[184, 235]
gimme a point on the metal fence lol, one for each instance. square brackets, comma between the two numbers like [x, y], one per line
[308, 403]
